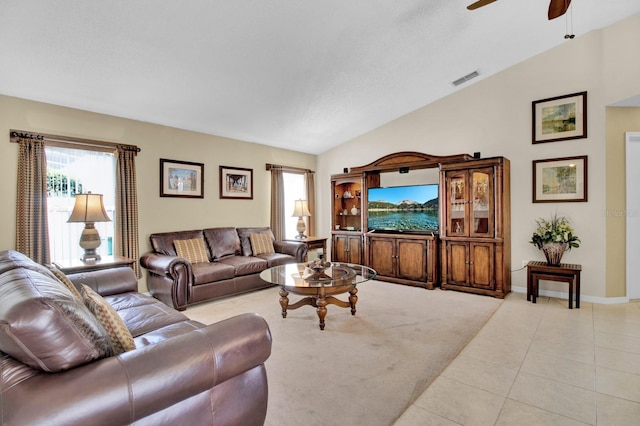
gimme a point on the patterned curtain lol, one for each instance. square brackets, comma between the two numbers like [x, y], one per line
[277, 203]
[310, 183]
[126, 231]
[32, 231]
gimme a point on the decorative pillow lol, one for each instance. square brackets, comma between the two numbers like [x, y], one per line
[66, 281]
[193, 250]
[120, 335]
[261, 244]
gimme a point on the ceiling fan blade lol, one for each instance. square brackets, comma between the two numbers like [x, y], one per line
[558, 8]
[479, 3]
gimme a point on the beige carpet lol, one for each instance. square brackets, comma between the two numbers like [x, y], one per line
[364, 369]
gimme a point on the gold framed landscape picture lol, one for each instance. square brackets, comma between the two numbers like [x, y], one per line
[560, 118]
[236, 183]
[560, 180]
[181, 179]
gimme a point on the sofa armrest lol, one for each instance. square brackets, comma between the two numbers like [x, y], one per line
[107, 281]
[170, 278]
[126, 388]
[297, 250]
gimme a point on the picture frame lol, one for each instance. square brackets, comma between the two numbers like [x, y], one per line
[181, 179]
[560, 118]
[560, 180]
[236, 183]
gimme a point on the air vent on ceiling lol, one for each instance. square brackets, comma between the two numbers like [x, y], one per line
[466, 78]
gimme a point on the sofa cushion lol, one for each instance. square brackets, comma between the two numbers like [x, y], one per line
[120, 336]
[204, 273]
[245, 242]
[261, 243]
[222, 242]
[66, 281]
[45, 326]
[277, 259]
[192, 250]
[245, 265]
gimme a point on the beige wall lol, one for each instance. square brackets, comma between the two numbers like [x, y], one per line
[493, 116]
[156, 214]
[619, 121]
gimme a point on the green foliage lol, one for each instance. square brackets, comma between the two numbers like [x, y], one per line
[555, 230]
[59, 184]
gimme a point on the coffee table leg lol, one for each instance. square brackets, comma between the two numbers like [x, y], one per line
[321, 305]
[284, 301]
[353, 299]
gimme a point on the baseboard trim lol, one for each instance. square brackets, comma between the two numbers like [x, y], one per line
[585, 298]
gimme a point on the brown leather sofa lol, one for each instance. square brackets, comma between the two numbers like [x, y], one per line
[57, 367]
[232, 267]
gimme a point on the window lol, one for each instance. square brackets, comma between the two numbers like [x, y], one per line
[73, 171]
[294, 189]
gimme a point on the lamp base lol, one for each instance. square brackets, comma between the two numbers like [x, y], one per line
[301, 227]
[90, 241]
[90, 255]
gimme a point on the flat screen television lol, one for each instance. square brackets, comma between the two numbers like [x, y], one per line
[412, 208]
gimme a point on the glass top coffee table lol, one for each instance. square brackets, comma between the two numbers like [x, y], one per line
[319, 285]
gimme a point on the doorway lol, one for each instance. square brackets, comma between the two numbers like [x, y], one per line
[633, 214]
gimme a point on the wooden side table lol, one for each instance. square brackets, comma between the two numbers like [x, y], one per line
[73, 266]
[564, 272]
[314, 243]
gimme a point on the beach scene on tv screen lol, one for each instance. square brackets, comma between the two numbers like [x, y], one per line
[403, 208]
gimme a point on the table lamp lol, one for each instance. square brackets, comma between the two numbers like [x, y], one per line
[89, 209]
[301, 210]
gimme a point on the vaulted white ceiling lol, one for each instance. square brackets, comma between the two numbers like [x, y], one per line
[305, 75]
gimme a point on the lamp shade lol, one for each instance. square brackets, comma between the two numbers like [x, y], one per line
[89, 208]
[301, 209]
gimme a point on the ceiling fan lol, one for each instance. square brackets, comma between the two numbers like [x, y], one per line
[556, 7]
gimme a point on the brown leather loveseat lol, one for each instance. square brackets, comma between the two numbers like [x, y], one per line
[222, 262]
[59, 363]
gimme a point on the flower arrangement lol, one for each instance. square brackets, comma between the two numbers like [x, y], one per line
[555, 230]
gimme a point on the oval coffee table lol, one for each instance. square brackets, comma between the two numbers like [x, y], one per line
[318, 287]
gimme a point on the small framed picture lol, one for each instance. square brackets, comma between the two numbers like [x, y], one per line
[236, 183]
[560, 180]
[560, 118]
[181, 179]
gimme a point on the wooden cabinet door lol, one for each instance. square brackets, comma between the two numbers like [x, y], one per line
[482, 265]
[457, 204]
[355, 249]
[382, 256]
[411, 256]
[481, 199]
[340, 248]
[458, 263]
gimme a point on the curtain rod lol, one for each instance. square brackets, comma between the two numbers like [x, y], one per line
[289, 168]
[15, 135]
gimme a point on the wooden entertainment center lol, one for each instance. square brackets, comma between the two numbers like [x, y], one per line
[471, 250]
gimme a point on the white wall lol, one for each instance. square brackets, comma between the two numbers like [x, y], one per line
[493, 116]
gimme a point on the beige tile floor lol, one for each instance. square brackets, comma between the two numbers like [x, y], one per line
[541, 364]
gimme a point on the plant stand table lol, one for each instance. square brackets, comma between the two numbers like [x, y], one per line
[564, 272]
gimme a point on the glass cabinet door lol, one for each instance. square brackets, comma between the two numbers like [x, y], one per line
[457, 188]
[481, 219]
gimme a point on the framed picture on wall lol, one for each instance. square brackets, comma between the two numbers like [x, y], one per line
[236, 183]
[181, 179]
[560, 180]
[560, 118]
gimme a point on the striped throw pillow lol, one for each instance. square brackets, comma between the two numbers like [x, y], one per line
[120, 335]
[193, 250]
[66, 281]
[261, 243]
